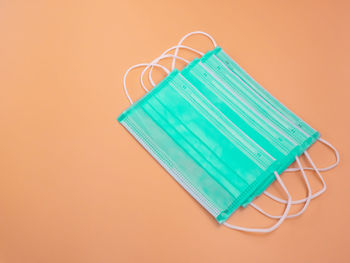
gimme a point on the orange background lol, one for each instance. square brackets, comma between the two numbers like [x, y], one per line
[77, 187]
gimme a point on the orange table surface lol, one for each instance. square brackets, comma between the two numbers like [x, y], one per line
[77, 187]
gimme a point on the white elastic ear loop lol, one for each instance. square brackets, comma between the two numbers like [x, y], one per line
[186, 36]
[313, 196]
[175, 56]
[155, 62]
[305, 205]
[137, 66]
[325, 168]
[280, 221]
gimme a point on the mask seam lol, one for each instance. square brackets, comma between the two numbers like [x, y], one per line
[153, 149]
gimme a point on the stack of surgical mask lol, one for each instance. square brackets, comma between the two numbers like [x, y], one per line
[221, 135]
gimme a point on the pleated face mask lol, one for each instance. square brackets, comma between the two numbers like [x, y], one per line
[220, 135]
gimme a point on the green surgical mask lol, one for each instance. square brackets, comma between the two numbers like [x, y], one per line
[249, 120]
[208, 154]
[238, 91]
[218, 133]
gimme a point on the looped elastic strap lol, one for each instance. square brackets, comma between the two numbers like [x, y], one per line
[313, 196]
[154, 62]
[275, 226]
[325, 168]
[175, 57]
[186, 36]
[305, 205]
[137, 66]
[164, 55]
